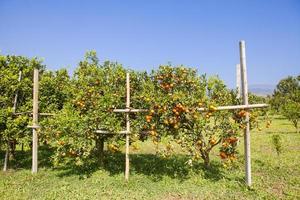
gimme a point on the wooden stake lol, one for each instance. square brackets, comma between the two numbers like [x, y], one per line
[35, 121]
[238, 80]
[127, 127]
[244, 84]
[6, 158]
[16, 96]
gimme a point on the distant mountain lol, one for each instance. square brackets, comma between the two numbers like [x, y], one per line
[262, 89]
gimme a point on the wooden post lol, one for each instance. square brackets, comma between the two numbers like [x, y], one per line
[6, 158]
[35, 121]
[245, 102]
[16, 95]
[127, 127]
[238, 80]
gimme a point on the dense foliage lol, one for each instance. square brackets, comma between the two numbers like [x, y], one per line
[84, 103]
[13, 128]
[286, 99]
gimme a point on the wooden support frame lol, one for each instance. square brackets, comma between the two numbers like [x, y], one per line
[242, 84]
[127, 132]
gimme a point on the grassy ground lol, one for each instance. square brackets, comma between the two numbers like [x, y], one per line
[152, 177]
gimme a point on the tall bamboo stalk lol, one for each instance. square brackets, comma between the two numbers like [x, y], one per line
[35, 121]
[245, 102]
[127, 127]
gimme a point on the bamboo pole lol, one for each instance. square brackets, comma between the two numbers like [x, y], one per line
[108, 132]
[238, 80]
[236, 107]
[244, 85]
[6, 158]
[127, 127]
[30, 113]
[130, 110]
[35, 121]
[133, 110]
[16, 95]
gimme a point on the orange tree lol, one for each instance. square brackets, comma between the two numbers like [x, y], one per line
[286, 99]
[94, 91]
[53, 90]
[13, 128]
[176, 94]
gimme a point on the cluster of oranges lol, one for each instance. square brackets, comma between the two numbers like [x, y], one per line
[150, 116]
[80, 103]
[225, 155]
[243, 113]
[61, 143]
[113, 148]
[167, 86]
[212, 141]
[226, 151]
[179, 108]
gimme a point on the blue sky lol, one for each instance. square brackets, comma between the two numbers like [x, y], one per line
[144, 34]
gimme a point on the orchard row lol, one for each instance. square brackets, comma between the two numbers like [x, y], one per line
[83, 103]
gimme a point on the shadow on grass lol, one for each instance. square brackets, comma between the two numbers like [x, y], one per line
[153, 166]
[22, 159]
[281, 132]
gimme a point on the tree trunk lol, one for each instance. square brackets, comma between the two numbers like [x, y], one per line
[207, 161]
[100, 150]
[13, 144]
[205, 157]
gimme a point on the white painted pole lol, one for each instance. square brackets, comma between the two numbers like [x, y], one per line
[35, 121]
[238, 80]
[245, 102]
[127, 127]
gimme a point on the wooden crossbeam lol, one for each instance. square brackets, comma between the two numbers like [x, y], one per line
[112, 133]
[129, 110]
[30, 113]
[234, 107]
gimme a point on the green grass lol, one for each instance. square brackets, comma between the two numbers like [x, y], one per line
[152, 177]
